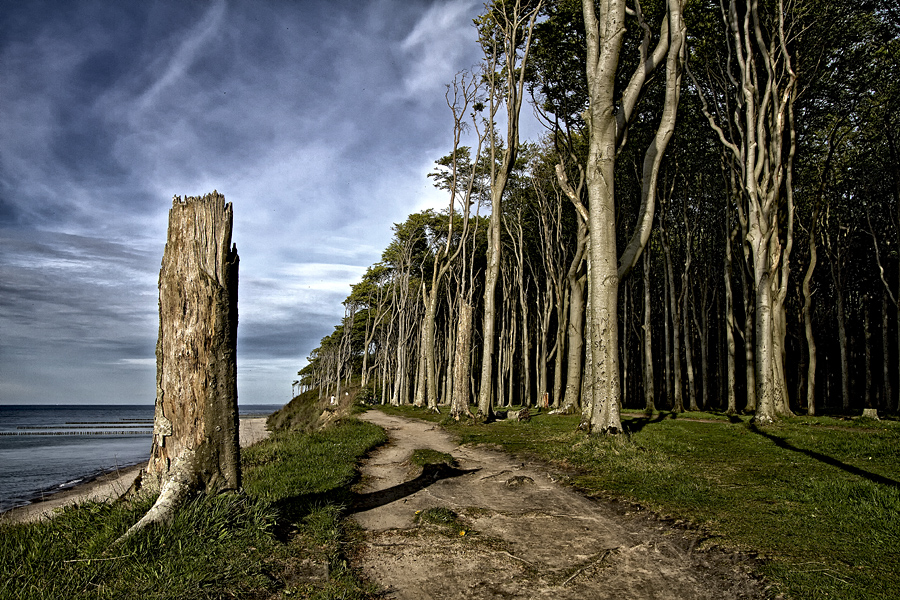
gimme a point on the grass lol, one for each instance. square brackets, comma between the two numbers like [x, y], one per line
[427, 456]
[249, 545]
[817, 499]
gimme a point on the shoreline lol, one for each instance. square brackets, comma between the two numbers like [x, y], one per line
[109, 486]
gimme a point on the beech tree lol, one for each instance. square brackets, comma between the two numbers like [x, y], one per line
[506, 31]
[462, 97]
[755, 126]
[608, 118]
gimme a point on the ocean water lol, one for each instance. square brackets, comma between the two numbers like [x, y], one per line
[47, 449]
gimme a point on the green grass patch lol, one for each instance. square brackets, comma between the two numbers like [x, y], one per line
[445, 520]
[427, 456]
[817, 498]
[246, 545]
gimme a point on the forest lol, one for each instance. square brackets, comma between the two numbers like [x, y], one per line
[710, 221]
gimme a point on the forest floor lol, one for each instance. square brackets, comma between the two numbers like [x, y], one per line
[493, 526]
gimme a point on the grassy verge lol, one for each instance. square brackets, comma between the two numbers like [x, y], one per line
[283, 537]
[818, 499]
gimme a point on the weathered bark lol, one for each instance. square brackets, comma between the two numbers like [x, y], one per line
[587, 381]
[607, 119]
[782, 277]
[459, 406]
[604, 44]
[419, 394]
[195, 431]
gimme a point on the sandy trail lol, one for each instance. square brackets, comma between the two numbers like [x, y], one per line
[112, 485]
[526, 536]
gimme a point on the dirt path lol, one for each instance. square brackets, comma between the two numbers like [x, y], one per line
[525, 536]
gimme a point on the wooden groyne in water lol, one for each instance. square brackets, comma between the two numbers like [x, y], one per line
[83, 426]
[146, 431]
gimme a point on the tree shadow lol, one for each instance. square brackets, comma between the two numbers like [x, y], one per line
[636, 424]
[430, 474]
[828, 460]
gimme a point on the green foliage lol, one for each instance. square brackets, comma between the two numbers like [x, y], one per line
[301, 413]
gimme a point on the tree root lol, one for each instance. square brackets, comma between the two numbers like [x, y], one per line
[178, 487]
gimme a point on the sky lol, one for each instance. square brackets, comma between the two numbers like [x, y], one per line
[317, 119]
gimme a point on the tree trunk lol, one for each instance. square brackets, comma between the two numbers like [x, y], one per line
[701, 324]
[577, 281]
[678, 392]
[808, 325]
[649, 392]
[667, 351]
[562, 319]
[195, 441]
[749, 354]
[459, 406]
[587, 380]
[867, 333]
[885, 355]
[607, 117]
[626, 301]
[510, 30]
[842, 342]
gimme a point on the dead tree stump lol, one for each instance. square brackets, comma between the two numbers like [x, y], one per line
[195, 430]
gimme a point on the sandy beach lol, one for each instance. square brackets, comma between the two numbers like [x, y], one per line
[111, 485]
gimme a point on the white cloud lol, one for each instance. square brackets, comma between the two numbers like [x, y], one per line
[442, 39]
[318, 121]
[177, 64]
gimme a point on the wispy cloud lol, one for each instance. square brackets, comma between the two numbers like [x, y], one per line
[318, 120]
[439, 46]
[184, 56]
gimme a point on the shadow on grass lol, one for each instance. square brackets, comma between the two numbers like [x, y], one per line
[430, 474]
[828, 460]
[634, 425]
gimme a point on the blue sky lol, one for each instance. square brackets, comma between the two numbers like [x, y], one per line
[318, 120]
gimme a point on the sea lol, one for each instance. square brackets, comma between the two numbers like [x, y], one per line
[48, 449]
